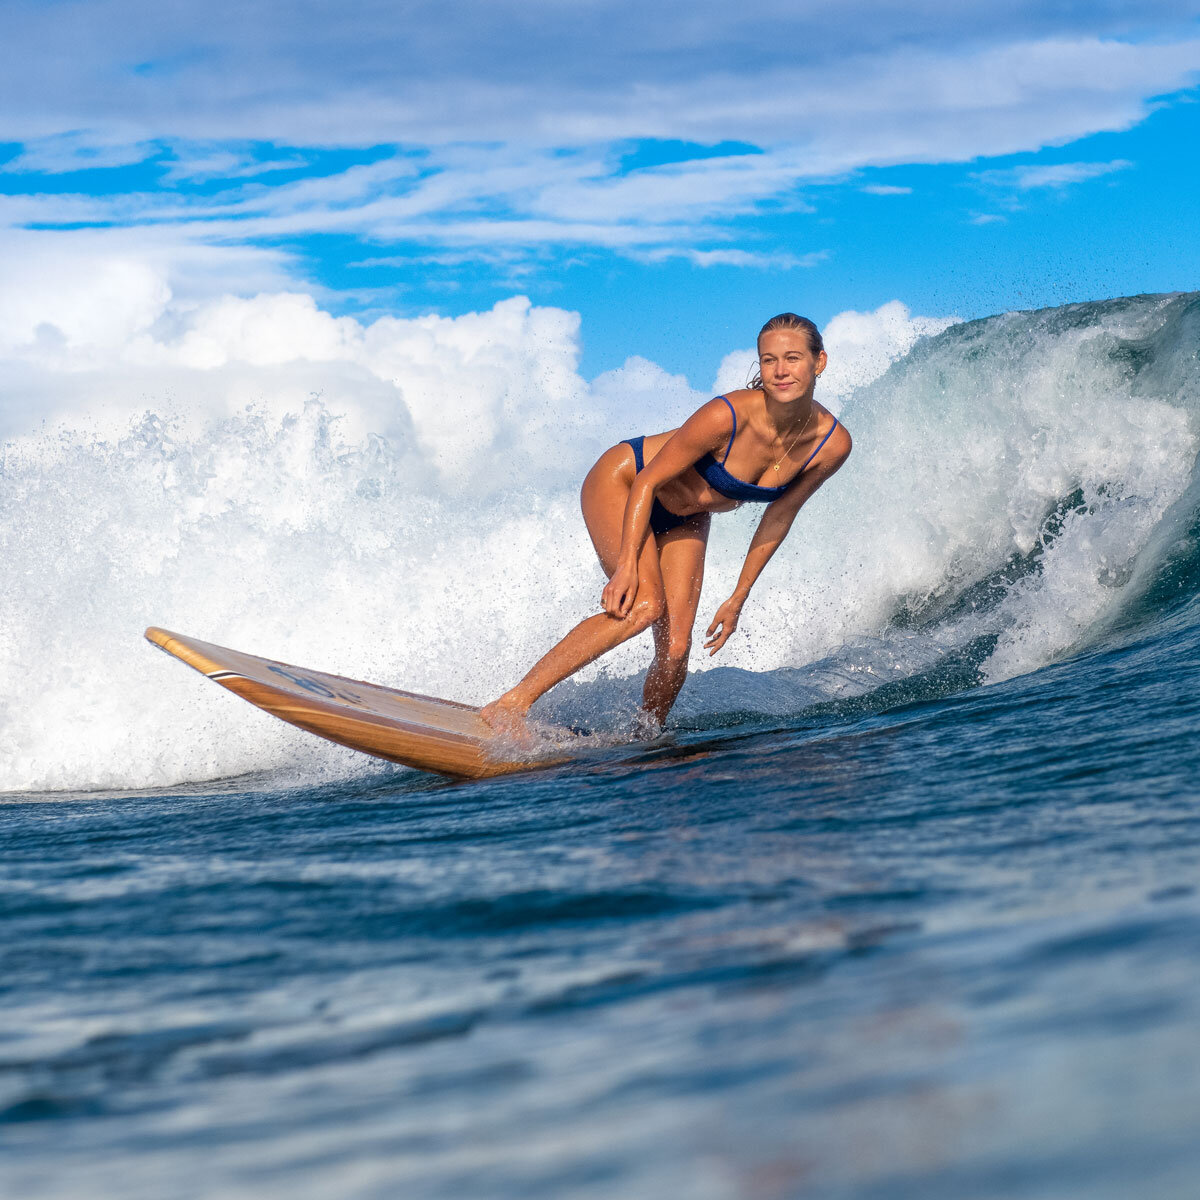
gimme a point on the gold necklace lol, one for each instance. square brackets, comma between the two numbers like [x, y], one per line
[798, 436]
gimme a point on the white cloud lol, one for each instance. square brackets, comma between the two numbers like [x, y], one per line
[885, 189]
[640, 397]
[100, 335]
[688, 190]
[758, 259]
[862, 346]
[554, 74]
[87, 291]
[1052, 175]
[524, 147]
[205, 161]
[78, 151]
[736, 370]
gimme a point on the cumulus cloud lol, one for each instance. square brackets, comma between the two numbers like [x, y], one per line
[862, 346]
[481, 402]
[97, 338]
[640, 397]
[86, 291]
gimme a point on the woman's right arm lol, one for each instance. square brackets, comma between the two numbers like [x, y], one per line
[704, 431]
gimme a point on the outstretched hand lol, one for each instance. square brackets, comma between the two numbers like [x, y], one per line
[620, 592]
[724, 622]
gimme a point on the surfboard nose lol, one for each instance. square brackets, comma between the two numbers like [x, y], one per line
[420, 731]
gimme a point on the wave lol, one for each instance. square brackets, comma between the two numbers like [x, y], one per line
[1021, 487]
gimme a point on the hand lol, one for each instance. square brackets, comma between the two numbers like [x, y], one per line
[723, 624]
[620, 592]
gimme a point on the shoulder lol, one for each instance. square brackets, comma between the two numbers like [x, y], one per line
[706, 431]
[840, 442]
[837, 448]
[740, 397]
[717, 416]
[728, 407]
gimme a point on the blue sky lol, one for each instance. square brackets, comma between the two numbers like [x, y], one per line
[674, 173]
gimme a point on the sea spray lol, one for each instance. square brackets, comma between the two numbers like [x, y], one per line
[1005, 477]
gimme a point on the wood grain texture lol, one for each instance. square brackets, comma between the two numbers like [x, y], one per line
[404, 727]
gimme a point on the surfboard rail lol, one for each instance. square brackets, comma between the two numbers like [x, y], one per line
[419, 731]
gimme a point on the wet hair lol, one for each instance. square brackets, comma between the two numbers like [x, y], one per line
[789, 320]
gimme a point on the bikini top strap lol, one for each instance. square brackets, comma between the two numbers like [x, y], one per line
[734, 433]
[819, 445]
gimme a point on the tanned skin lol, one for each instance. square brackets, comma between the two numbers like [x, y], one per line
[654, 580]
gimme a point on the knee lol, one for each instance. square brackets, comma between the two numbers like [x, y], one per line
[677, 646]
[645, 612]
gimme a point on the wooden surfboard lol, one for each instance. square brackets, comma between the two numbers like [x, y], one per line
[419, 731]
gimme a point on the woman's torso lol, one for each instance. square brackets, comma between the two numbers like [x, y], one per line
[748, 461]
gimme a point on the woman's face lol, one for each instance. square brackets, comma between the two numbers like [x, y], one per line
[789, 368]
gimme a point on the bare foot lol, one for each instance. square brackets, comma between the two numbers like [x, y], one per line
[647, 726]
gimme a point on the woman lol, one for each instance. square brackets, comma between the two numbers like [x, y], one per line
[648, 501]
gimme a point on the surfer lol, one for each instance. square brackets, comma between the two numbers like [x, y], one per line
[648, 502]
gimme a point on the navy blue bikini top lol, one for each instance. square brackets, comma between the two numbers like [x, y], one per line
[730, 486]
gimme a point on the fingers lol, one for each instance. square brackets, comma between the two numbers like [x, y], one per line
[719, 641]
[618, 601]
[719, 632]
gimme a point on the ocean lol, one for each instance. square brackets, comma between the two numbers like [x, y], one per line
[902, 904]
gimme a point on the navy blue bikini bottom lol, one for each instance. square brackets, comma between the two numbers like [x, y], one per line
[662, 519]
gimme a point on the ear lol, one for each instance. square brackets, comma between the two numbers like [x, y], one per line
[822, 361]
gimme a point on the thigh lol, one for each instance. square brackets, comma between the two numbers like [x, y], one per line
[681, 559]
[603, 498]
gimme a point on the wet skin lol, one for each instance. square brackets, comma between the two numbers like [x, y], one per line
[654, 580]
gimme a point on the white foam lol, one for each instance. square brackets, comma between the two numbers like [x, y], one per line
[417, 524]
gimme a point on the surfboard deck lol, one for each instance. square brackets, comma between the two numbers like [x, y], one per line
[405, 727]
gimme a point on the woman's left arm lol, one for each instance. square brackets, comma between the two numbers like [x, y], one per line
[772, 529]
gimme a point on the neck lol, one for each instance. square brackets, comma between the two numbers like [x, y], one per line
[786, 416]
